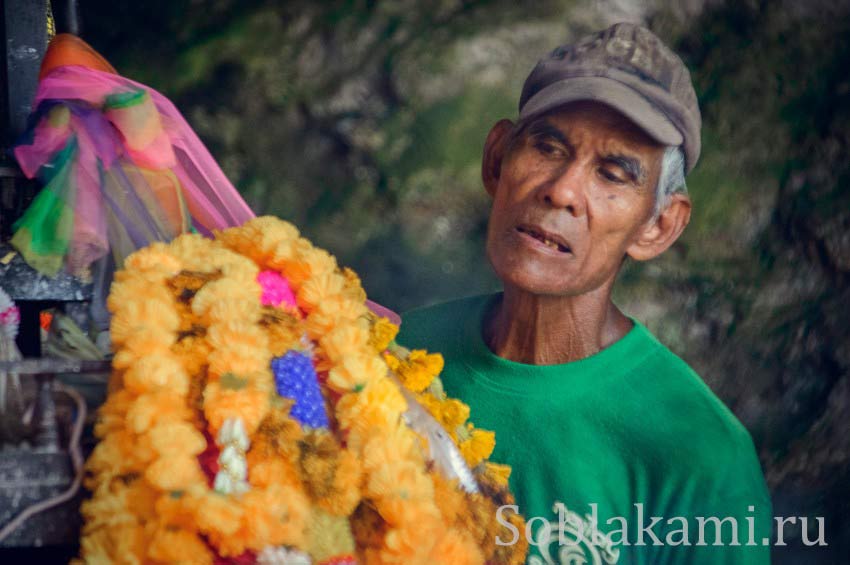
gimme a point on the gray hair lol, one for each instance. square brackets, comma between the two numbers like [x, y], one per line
[671, 179]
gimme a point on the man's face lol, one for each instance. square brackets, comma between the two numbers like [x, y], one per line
[574, 192]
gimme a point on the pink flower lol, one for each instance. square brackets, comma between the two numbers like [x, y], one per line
[276, 290]
[10, 318]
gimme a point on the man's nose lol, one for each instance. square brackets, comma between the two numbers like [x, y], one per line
[565, 190]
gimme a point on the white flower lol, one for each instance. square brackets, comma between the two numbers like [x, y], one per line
[233, 461]
[223, 483]
[232, 432]
[282, 556]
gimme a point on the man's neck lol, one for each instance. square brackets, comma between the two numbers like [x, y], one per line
[549, 330]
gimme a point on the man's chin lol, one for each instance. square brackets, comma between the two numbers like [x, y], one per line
[543, 284]
[528, 276]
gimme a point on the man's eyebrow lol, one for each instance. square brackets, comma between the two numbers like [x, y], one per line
[630, 166]
[543, 128]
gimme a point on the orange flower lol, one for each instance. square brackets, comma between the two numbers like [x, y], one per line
[356, 372]
[456, 548]
[478, 446]
[413, 543]
[452, 413]
[176, 508]
[344, 494]
[110, 416]
[499, 474]
[217, 516]
[145, 341]
[193, 347]
[179, 546]
[250, 404]
[157, 372]
[265, 471]
[419, 369]
[155, 259]
[139, 314]
[383, 333]
[344, 340]
[318, 289]
[379, 404]
[171, 439]
[174, 472]
[192, 351]
[273, 516]
[353, 288]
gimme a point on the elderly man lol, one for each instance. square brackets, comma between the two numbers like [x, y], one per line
[620, 452]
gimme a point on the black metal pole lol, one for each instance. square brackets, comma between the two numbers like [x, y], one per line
[66, 13]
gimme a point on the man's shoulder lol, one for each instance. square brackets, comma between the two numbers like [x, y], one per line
[699, 422]
[439, 325]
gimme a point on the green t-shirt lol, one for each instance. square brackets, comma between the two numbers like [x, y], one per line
[630, 432]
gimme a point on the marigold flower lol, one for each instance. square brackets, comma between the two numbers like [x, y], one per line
[193, 350]
[171, 439]
[194, 251]
[155, 259]
[412, 544]
[140, 314]
[111, 415]
[452, 413]
[382, 334]
[419, 369]
[356, 371]
[170, 545]
[218, 516]
[478, 446]
[318, 289]
[228, 298]
[380, 404]
[278, 516]
[392, 361]
[250, 404]
[354, 288]
[144, 342]
[175, 508]
[344, 493]
[157, 372]
[344, 340]
[174, 472]
[329, 537]
[456, 548]
[499, 474]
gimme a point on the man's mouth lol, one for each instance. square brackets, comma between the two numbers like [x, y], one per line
[550, 240]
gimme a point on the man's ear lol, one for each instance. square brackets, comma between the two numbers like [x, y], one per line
[494, 151]
[656, 236]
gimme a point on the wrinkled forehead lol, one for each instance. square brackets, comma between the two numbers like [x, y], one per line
[600, 120]
[602, 125]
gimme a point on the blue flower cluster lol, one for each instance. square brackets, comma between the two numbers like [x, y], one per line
[295, 378]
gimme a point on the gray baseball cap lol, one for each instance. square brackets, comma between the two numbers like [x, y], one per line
[628, 68]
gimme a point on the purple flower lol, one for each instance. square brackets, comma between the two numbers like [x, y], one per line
[295, 378]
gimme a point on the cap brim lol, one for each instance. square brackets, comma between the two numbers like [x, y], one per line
[611, 93]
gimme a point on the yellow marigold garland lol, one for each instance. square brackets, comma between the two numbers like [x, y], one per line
[192, 368]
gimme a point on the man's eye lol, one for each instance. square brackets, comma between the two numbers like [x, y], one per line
[549, 149]
[611, 177]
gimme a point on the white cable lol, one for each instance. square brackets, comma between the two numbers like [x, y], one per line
[76, 460]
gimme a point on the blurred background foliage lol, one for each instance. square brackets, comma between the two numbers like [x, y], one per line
[362, 122]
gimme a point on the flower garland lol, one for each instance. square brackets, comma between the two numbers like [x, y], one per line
[251, 417]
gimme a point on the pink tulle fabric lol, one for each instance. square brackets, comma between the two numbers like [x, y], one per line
[167, 158]
[212, 200]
